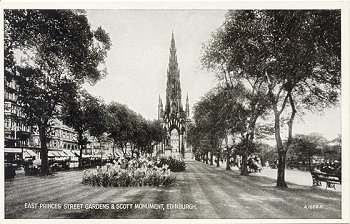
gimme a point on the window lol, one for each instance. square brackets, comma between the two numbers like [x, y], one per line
[13, 109]
[7, 107]
[7, 123]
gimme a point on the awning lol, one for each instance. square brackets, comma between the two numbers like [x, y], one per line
[31, 152]
[61, 153]
[53, 154]
[75, 152]
[13, 150]
[69, 153]
[28, 153]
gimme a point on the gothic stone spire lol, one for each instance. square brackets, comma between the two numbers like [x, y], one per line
[173, 90]
[187, 107]
[160, 108]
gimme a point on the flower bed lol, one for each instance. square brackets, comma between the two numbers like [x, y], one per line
[136, 172]
[175, 165]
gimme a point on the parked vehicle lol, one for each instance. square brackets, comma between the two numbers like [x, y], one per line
[9, 171]
[32, 167]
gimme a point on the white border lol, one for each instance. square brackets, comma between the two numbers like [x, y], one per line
[345, 103]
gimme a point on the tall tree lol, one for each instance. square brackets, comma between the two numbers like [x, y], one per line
[302, 149]
[217, 115]
[59, 52]
[156, 134]
[332, 150]
[221, 56]
[211, 125]
[79, 113]
[295, 54]
[97, 122]
[193, 139]
[120, 124]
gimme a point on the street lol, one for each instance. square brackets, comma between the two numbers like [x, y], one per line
[214, 193]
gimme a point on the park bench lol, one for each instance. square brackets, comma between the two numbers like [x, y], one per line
[330, 179]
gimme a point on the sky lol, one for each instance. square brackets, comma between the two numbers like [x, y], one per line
[137, 62]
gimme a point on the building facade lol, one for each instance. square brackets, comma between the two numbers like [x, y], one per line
[17, 134]
[21, 140]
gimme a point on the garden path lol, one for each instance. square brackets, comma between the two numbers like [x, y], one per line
[216, 193]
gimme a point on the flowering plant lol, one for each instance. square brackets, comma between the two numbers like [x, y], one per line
[136, 172]
[175, 165]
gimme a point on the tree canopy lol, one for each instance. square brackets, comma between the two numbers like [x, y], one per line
[50, 53]
[292, 56]
[82, 113]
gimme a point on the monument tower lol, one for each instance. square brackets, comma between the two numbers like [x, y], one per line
[173, 116]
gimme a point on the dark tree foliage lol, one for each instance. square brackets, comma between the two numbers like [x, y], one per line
[193, 139]
[124, 126]
[216, 115]
[121, 124]
[81, 113]
[293, 54]
[207, 116]
[58, 52]
[302, 149]
[153, 135]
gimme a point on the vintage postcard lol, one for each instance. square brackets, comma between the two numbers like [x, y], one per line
[175, 112]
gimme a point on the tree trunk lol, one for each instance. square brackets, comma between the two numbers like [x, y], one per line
[281, 152]
[211, 158]
[244, 165]
[101, 151]
[281, 169]
[218, 160]
[228, 161]
[310, 165]
[80, 144]
[207, 158]
[80, 156]
[44, 169]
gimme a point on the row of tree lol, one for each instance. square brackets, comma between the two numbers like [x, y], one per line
[90, 116]
[306, 150]
[268, 61]
[49, 54]
[220, 122]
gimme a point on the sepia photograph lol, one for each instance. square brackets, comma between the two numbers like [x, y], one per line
[217, 113]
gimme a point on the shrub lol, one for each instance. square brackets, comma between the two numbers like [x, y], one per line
[175, 165]
[137, 172]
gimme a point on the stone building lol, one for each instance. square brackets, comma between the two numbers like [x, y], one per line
[21, 141]
[174, 116]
